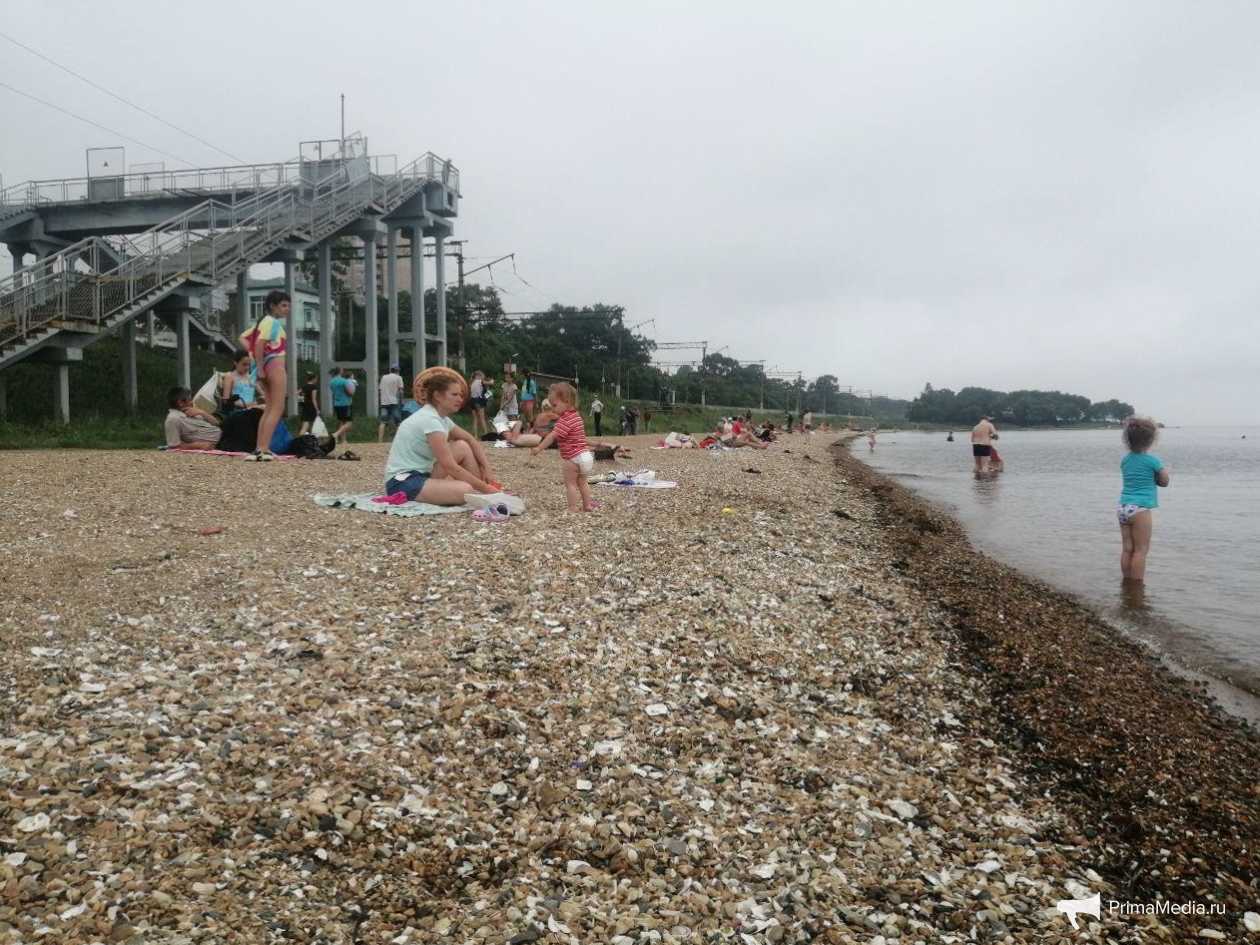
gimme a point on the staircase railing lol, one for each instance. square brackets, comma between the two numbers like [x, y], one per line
[87, 282]
[230, 179]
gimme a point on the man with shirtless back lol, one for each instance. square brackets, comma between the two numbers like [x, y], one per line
[982, 436]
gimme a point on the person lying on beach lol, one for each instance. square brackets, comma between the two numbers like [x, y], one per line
[518, 434]
[733, 434]
[766, 433]
[680, 441]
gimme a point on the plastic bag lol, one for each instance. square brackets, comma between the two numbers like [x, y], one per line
[319, 429]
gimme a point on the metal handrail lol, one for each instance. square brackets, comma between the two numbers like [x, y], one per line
[229, 179]
[149, 183]
[95, 278]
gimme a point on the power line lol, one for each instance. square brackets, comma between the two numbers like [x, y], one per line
[121, 99]
[88, 121]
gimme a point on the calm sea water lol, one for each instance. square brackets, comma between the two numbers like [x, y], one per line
[1052, 514]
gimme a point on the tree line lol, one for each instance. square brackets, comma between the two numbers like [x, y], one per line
[593, 344]
[1024, 408]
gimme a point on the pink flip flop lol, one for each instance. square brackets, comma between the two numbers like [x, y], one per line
[491, 513]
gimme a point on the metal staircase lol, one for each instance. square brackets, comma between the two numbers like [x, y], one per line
[92, 286]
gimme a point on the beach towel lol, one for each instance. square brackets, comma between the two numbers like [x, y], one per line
[643, 479]
[654, 484]
[166, 449]
[363, 503]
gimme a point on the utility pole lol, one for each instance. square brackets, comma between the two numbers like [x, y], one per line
[704, 349]
[343, 124]
[463, 310]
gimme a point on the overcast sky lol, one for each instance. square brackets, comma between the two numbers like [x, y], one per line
[1007, 195]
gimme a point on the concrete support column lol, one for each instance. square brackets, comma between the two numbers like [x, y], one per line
[326, 354]
[18, 252]
[152, 329]
[291, 361]
[4, 399]
[182, 347]
[439, 279]
[243, 320]
[391, 289]
[61, 393]
[372, 353]
[420, 360]
[131, 391]
[39, 273]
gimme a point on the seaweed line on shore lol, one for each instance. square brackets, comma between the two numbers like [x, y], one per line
[1164, 784]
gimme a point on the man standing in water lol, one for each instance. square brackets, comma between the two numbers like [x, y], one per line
[982, 436]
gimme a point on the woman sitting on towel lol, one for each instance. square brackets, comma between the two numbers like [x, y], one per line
[431, 459]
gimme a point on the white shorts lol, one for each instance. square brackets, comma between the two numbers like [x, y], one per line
[584, 461]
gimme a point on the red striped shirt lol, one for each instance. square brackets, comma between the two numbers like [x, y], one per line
[570, 434]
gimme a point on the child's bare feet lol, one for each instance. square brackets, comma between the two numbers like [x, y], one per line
[572, 508]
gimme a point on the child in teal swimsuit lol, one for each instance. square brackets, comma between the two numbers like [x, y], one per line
[1142, 473]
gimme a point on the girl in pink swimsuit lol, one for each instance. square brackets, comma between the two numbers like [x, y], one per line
[266, 344]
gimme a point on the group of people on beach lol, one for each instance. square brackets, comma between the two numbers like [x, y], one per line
[433, 460]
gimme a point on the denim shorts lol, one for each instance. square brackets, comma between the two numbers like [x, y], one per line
[410, 484]
[391, 413]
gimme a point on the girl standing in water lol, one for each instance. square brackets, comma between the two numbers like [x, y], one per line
[1141, 473]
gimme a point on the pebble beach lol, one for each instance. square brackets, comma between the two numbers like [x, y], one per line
[783, 702]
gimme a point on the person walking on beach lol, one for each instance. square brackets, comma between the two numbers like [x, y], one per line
[391, 394]
[1142, 473]
[507, 398]
[477, 404]
[529, 396]
[574, 451]
[343, 387]
[982, 436]
[308, 402]
[597, 415]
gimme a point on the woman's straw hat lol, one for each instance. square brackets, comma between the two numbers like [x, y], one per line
[417, 387]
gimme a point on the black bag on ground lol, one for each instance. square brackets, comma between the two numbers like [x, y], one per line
[308, 447]
[240, 431]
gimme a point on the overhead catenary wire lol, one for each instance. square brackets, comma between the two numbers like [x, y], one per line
[96, 124]
[101, 88]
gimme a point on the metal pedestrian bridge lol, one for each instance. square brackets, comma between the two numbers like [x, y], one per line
[109, 250]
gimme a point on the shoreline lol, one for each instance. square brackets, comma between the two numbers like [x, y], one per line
[759, 704]
[1234, 697]
[1094, 716]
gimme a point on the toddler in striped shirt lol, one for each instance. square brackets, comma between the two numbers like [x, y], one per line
[576, 455]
